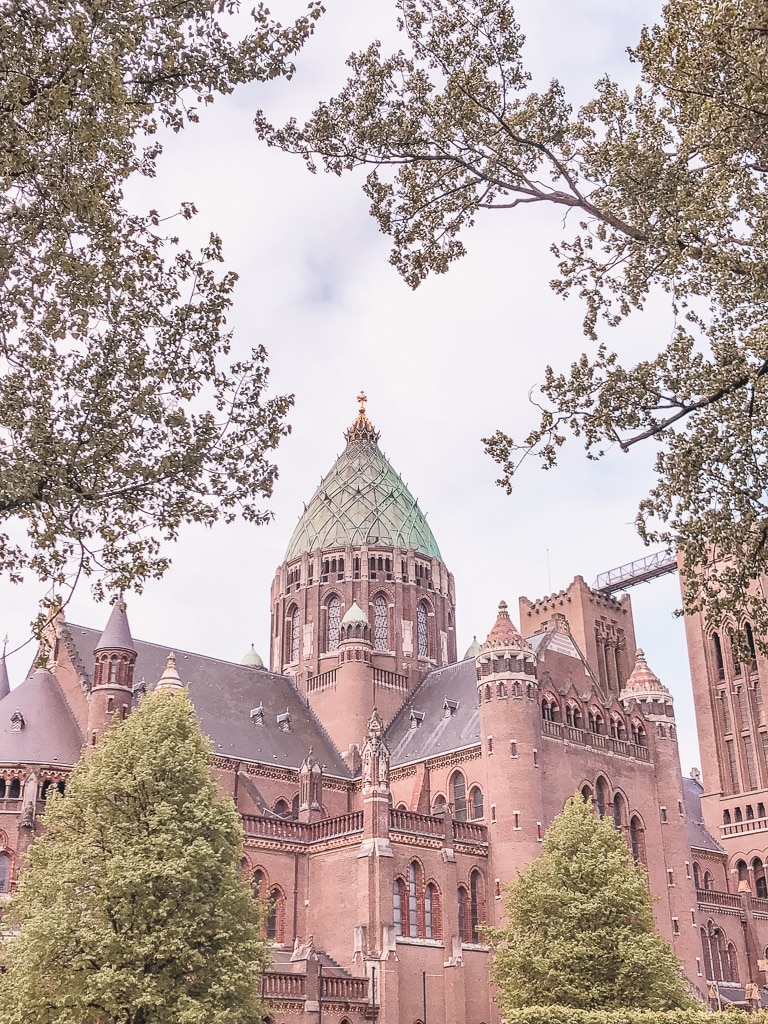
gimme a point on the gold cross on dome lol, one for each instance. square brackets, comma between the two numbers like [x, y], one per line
[362, 399]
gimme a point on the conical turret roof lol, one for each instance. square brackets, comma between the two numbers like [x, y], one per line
[170, 679]
[362, 500]
[504, 633]
[117, 635]
[643, 681]
[5, 683]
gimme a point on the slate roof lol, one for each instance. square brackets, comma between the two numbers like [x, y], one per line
[224, 694]
[438, 732]
[698, 837]
[117, 635]
[362, 500]
[50, 733]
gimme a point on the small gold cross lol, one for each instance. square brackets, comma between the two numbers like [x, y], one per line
[362, 399]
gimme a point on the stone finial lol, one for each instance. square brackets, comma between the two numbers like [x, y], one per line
[170, 679]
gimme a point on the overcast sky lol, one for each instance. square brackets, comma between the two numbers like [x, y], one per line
[442, 366]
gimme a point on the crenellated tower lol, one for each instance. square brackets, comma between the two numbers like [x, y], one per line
[510, 730]
[671, 872]
[114, 660]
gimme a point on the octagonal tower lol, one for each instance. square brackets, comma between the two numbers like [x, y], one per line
[364, 539]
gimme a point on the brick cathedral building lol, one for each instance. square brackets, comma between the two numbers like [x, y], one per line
[388, 788]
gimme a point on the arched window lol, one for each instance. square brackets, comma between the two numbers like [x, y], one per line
[726, 817]
[259, 883]
[618, 729]
[282, 808]
[731, 964]
[276, 914]
[334, 623]
[742, 870]
[380, 626]
[465, 916]
[637, 839]
[546, 710]
[717, 648]
[459, 793]
[638, 734]
[750, 642]
[476, 802]
[586, 792]
[600, 798]
[696, 875]
[758, 873]
[414, 878]
[399, 901]
[429, 911]
[477, 902]
[708, 881]
[292, 636]
[619, 810]
[5, 872]
[15, 791]
[422, 631]
[439, 805]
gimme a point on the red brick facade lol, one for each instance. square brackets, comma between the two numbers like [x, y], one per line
[388, 791]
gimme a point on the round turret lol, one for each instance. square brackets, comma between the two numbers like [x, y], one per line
[506, 654]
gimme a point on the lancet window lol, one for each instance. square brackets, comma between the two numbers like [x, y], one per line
[380, 631]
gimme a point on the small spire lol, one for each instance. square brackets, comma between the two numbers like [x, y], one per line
[362, 429]
[170, 679]
[117, 634]
[504, 632]
[5, 683]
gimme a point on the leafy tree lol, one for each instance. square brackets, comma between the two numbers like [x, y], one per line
[133, 908]
[580, 929]
[120, 416]
[667, 189]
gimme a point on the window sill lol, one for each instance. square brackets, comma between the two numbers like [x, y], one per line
[406, 940]
[476, 946]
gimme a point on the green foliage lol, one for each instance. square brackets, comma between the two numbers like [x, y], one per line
[580, 931]
[567, 1015]
[668, 186]
[120, 415]
[133, 908]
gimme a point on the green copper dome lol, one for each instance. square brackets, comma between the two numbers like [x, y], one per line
[362, 501]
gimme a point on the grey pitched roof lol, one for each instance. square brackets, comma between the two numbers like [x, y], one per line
[440, 730]
[49, 732]
[224, 694]
[698, 836]
[117, 634]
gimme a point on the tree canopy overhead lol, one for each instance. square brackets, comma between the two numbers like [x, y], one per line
[663, 187]
[121, 416]
[580, 930]
[133, 908]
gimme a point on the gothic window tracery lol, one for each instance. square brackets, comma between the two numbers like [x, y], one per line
[423, 635]
[334, 622]
[294, 635]
[380, 630]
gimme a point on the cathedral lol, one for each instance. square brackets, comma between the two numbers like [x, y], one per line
[388, 787]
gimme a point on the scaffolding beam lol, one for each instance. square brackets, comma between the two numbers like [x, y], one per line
[640, 571]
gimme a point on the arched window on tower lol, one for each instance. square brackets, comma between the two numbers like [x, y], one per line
[380, 629]
[717, 649]
[292, 635]
[619, 811]
[5, 872]
[476, 803]
[600, 798]
[477, 902]
[422, 630]
[459, 794]
[637, 839]
[334, 623]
